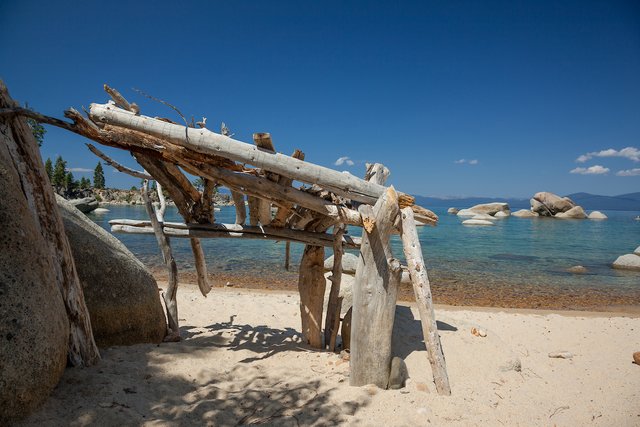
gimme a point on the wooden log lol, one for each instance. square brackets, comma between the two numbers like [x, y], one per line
[422, 291]
[263, 141]
[241, 210]
[332, 320]
[311, 285]
[254, 210]
[17, 138]
[169, 297]
[118, 98]
[201, 266]
[207, 142]
[374, 297]
[284, 211]
[287, 255]
[180, 230]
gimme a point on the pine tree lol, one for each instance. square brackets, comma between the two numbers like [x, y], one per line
[84, 183]
[48, 167]
[69, 182]
[98, 176]
[59, 173]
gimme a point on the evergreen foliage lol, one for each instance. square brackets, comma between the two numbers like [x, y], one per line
[98, 176]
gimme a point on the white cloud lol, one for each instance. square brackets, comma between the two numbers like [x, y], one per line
[591, 170]
[344, 160]
[463, 161]
[630, 153]
[79, 170]
[629, 172]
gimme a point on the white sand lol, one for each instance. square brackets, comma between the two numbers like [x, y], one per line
[241, 363]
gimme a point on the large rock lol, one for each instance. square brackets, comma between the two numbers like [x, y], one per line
[575, 212]
[121, 295]
[453, 211]
[490, 208]
[346, 292]
[34, 329]
[85, 205]
[549, 204]
[637, 251]
[524, 213]
[502, 214]
[349, 263]
[627, 262]
[597, 215]
[466, 212]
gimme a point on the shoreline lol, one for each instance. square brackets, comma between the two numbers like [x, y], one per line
[456, 297]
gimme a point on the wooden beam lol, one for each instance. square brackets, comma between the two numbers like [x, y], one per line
[375, 292]
[422, 291]
[332, 320]
[207, 142]
[241, 210]
[311, 285]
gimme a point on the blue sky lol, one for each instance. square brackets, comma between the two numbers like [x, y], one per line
[519, 90]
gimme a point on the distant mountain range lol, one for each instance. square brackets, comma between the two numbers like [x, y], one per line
[623, 202]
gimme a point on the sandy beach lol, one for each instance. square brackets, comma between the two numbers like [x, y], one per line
[241, 363]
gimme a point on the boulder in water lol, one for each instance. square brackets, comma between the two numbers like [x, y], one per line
[121, 295]
[627, 262]
[597, 215]
[502, 214]
[490, 208]
[575, 212]
[466, 212]
[453, 211]
[483, 216]
[85, 205]
[524, 213]
[549, 204]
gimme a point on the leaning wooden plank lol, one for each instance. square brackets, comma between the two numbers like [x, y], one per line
[374, 297]
[207, 142]
[311, 285]
[201, 266]
[220, 231]
[422, 291]
[169, 297]
[241, 210]
[332, 320]
[17, 139]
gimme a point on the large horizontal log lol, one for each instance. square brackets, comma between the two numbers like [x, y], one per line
[207, 142]
[181, 230]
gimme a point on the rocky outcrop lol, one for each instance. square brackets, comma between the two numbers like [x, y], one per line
[549, 204]
[627, 262]
[575, 212]
[597, 215]
[85, 205]
[34, 328]
[453, 211]
[121, 295]
[524, 213]
[490, 208]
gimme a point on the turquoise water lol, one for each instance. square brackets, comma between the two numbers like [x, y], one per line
[517, 251]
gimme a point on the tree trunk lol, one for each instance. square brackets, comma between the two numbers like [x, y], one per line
[311, 285]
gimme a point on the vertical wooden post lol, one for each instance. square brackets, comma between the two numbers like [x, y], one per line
[287, 255]
[374, 295]
[332, 321]
[422, 291]
[311, 285]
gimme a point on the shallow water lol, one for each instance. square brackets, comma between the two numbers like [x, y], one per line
[523, 254]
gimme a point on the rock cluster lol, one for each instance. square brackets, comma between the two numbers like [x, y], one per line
[551, 205]
[484, 214]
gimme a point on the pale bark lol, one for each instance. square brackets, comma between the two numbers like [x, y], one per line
[332, 321]
[311, 285]
[422, 291]
[241, 210]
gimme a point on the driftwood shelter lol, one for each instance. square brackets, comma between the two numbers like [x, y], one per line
[277, 211]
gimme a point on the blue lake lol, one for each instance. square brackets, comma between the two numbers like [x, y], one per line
[518, 252]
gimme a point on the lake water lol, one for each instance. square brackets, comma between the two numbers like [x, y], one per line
[528, 256]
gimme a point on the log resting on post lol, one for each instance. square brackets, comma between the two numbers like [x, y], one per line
[311, 285]
[422, 291]
[374, 296]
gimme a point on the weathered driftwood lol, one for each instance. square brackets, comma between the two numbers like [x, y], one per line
[311, 285]
[207, 142]
[263, 141]
[287, 255]
[23, 149]
[170, 295]
[241, 210]
[253, 203]
[374, 297]
[332, 322]
[284, 210]
[181, 230]
[422, 291]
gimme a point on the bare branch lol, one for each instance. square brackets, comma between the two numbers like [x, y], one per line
[117, 165]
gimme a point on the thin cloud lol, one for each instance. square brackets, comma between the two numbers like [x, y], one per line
[630, 153]
[344, 160]
[79, 170]
[591, 170]
[629, 172]
[463, 161]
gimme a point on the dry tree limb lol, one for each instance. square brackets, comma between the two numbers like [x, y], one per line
[118, 98]
[334, 306]
[117, 165]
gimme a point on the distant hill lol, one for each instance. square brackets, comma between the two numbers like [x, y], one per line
[623, 202]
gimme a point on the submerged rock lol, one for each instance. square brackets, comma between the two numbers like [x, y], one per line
[577, 269]
[101, 211]
[121, 295]
[477, 222]
[627, 262]
[597, 215]
[524, 213]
